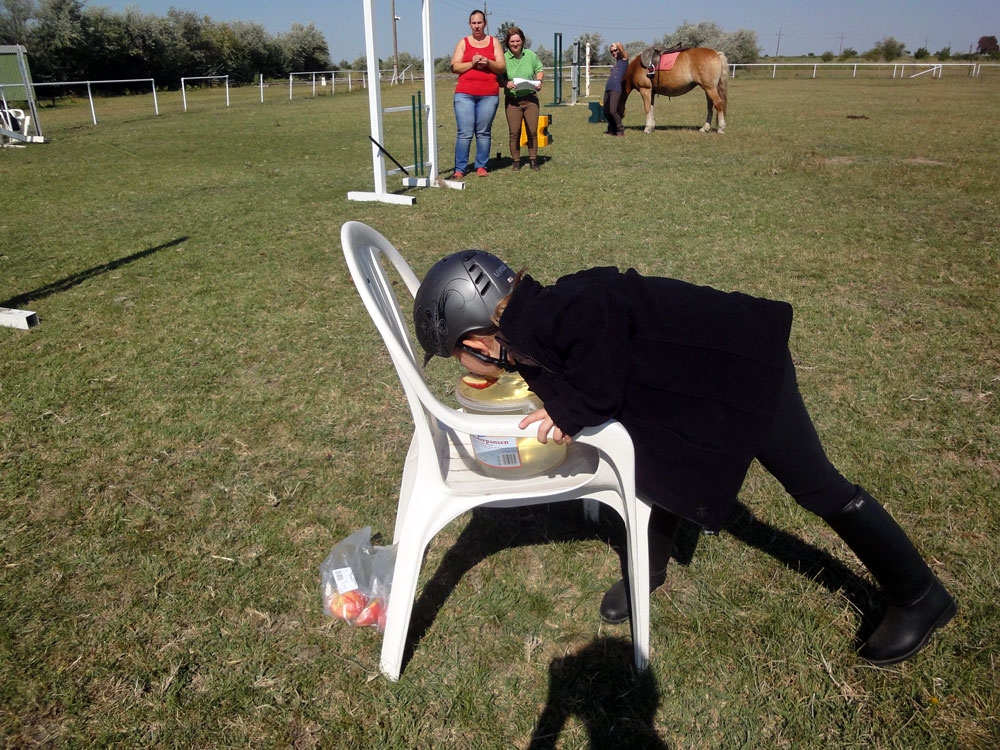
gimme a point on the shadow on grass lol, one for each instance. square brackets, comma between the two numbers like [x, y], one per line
[811, 562]
[505, 163]
[795, 554]
[491, 530]
[658, 128]
[600, 686]
[78, 278]
[803, 558]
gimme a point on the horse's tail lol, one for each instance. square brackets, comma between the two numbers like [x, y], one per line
[723, 84]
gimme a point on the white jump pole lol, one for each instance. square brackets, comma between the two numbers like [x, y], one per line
[375, 115]
[381, 194]
[430, 116]
[429, 86]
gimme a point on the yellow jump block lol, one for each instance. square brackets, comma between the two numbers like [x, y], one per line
[543, 131]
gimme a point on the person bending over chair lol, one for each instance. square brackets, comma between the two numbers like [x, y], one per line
[703, 380]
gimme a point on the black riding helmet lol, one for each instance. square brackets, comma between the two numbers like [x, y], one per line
[459, 295]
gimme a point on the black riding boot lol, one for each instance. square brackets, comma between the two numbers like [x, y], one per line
[919, 603]
[616, 606]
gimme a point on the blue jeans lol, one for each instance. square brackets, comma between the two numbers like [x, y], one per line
[474, 116]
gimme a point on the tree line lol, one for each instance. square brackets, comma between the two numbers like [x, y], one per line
[67, 41]
[890, 49]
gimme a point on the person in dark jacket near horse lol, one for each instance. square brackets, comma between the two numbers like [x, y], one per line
[703, 381]
[614, 99]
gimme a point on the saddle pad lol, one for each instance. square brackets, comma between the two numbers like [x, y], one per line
[667, 60]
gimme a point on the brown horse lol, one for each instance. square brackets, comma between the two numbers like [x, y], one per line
[698, 66]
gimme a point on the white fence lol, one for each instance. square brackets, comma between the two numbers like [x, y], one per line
[594, 76]
[184, 81]
[90, 93]
[898, 70]
[319, 83]
[325, 81]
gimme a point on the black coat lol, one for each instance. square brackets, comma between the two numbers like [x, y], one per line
[691, 372]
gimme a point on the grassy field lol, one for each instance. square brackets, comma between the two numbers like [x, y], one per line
[205, 410]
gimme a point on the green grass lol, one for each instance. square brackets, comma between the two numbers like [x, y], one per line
[205, 410]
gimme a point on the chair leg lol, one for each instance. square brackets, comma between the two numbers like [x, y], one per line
[638, 563]
[409, 554]
[406, 488]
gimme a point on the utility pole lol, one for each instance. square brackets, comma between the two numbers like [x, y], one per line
[395, 48]
[778, 45]
[841, 50]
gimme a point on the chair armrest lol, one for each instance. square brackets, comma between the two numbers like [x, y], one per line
[613, 440]
[611, 437]
[488, 425]
[611, 433]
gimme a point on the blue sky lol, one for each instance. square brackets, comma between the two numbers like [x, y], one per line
[804, 26]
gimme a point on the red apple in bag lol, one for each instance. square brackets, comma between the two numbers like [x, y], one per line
[372, 614]
[347, 606]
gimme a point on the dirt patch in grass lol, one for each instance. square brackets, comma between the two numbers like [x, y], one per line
[926, 161]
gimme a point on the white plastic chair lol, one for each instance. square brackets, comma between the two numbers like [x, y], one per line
[440, 477]
[11, 119]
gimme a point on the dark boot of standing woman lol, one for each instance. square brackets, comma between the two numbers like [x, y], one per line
[616, 606]
[919, 604]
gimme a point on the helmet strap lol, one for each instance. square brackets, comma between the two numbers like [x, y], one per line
[502, 361]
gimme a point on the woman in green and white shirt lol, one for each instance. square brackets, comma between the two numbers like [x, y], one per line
[521, 99]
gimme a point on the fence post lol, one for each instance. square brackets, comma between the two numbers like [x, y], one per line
[90, 98]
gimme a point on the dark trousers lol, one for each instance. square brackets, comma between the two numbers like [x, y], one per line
[521, 110]
[793, 454]
[614, 111]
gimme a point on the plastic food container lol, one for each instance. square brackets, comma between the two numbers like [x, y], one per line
[508, 457]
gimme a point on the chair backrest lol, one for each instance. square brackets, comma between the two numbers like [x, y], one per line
[436, 424]
[366, 251]
[11, 119]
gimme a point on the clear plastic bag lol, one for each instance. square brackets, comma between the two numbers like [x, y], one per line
[356, 579]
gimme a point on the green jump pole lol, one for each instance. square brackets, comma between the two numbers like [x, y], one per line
[557, 87]
[413, 116]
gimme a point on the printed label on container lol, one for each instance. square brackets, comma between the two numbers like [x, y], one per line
[497, 452]
[345, 580]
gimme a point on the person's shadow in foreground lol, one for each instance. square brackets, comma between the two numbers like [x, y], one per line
[600, 686]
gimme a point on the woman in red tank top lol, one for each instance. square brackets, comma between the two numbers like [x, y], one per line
[477, 59]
